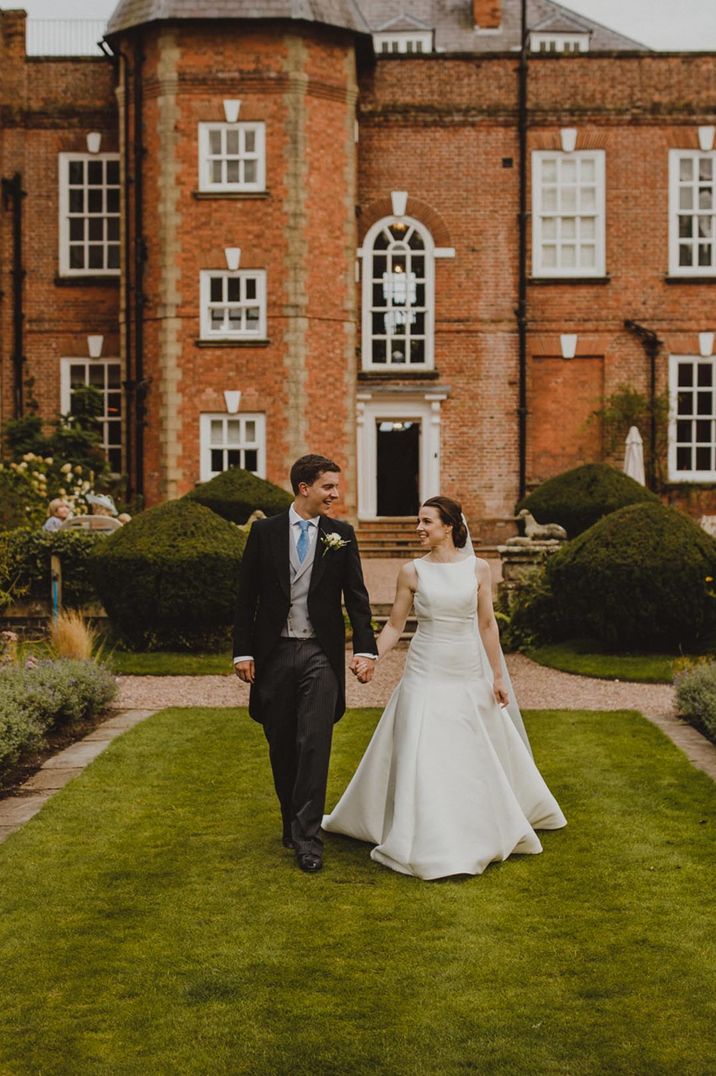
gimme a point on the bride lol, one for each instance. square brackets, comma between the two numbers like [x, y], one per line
[447, 784]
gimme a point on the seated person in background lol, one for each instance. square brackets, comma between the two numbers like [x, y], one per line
[124, 517]
[101, 504]
[57, 512]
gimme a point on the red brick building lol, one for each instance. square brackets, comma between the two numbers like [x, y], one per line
[401, 237]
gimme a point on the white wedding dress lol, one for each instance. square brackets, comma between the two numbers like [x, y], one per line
[447, 785]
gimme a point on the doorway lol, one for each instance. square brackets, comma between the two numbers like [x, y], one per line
[398, 467]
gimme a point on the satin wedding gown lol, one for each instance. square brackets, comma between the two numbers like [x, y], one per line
[447, 785]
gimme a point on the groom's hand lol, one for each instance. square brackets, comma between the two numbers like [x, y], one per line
[246, 671]
[363, 669]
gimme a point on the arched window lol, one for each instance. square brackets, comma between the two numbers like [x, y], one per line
[398, 295]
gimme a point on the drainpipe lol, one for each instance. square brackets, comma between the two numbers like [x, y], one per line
[652, 346]
[522, 267]
[13, 194]
[140, 386]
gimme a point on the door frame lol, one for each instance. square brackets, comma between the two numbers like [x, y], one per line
[423, 407]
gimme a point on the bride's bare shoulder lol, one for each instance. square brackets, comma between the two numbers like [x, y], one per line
[482, 567]
[408, 575]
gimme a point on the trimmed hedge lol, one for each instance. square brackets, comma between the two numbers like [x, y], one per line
[168, 578]
[48, 697]
[25, 565]
[235, 494]
[579, 498]
[696, 697]
[640, 579]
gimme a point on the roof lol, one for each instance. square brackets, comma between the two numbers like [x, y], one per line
[345, 14]
[451, 20]
[452, 23]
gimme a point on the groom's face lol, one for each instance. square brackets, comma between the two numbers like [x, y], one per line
[319, 497]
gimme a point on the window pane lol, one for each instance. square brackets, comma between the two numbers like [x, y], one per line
[379, 355]
[95, 173]
[77, 375]
[113, 228]
[703, 458]
[250, 141]
[705, 375]
[216, 171]
[76, 173]
[569, 257]
[96, 228]
[232, 171]
[233, 457]
[250, 285]
[686, 169]
[685, 226]
[113, 201]
[94, 200]
[549, 171]
[250, 430]
[683, 459]
[685, 403]
[233, 288]
[96, 375]
[113, 257]
[77, 201]
[232, 143]
[549, 257]
[251, 459]
[233, 431]
[216, 290]
[587, 257]
[96, 257]
[569, 228]
[568, 201]
[685, 254]
[549, 228]
[216, 431]
[113, 172]
[249, 171]
[77, 257]
[686, 374]
[705, 406]
[549, 199]
[217, 319]
[252, 318]
[214, 142]
[217, 459]
[114, 404]
[77, 228]
[705, 254]
[114, 457]
[705, 198]
[686, 197]
[113, 375]
[235, 319]
[706, 168]
[684, 430]
[114, 433]
[704, 431]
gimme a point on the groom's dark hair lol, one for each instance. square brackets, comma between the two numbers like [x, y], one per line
[309, 468]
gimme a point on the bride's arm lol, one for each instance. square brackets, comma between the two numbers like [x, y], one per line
[407, 585]
[489, 630]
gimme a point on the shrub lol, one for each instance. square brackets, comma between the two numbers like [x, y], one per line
[642, 578]
[25, 565]
[235, 494]
[72, 637]
[527, 615]
[47, 697]
[696, 697]
[168, 578]
[579, 498]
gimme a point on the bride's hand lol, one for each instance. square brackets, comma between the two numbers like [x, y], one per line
[500, 691]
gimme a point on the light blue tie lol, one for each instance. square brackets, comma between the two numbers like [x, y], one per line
[302, 547]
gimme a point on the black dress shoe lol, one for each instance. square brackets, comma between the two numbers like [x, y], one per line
[287, 842]
[309, 863]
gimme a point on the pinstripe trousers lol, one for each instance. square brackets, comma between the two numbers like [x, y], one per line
[299, 689]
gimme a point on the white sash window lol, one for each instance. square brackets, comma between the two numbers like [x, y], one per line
[692, 213]
[232, 441]
[233, 304]
[232, 157]
[568, 214]
[105, 375]
[89, 214]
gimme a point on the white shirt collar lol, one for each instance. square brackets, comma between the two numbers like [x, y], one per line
[293, 517]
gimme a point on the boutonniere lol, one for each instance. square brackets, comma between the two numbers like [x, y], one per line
[332, 542]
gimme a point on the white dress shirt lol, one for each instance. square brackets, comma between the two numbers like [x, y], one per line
[294, 519]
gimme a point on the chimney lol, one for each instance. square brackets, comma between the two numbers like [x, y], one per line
[487, 14]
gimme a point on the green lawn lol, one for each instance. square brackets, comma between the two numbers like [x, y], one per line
[584, 658]
[166, 663]
[151, 923]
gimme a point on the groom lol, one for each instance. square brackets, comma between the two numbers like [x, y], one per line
[289, 642]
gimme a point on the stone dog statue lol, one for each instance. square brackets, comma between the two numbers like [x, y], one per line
[537, 532]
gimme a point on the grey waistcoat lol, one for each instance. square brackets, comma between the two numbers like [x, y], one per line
[298, 625]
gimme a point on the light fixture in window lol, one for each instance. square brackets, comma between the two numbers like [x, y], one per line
[233, 258]
[568, 345]
[568, 138]
[706, 344]
[94, 346]
[94, 141]
[399, 202]
[231, 109]
[232, 399]
[706, 138]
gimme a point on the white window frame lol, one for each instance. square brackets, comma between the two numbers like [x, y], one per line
[675, 158]
[259, 155]
[366, 253]
[65, 270]
[546, 42]
[675, 362]
[403, 42]
[205, 428]
[539, 214]
[206, 330]
[106, 419]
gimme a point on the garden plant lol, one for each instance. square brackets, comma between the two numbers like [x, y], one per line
[235, 494]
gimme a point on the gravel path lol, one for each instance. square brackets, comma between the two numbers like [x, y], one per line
[536, 686]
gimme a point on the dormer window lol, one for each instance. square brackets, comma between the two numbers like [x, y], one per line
[552, 42]
[403, 42]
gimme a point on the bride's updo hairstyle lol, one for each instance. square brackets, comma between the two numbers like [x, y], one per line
[450, 513]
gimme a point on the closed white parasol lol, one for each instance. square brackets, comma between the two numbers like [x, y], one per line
[634, 456]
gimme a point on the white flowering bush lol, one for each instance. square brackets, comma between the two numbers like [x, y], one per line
[34, 480]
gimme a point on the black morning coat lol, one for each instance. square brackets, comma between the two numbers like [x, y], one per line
[264, 593]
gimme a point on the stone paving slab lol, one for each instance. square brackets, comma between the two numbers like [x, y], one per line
[59, 770]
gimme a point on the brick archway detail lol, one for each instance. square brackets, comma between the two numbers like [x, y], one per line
[422, 211]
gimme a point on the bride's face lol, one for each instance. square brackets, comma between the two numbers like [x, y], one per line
[431, 530]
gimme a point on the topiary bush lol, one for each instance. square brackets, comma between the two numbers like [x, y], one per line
[168, 578]
[580, 497]
[235, 494]
[696, 697]
[25, 565]
[641, 578]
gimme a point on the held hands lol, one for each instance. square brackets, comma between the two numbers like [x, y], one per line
[363, 669]
[246, 671]
[500, 691]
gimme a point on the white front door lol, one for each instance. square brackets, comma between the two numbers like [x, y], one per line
[398, 453]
